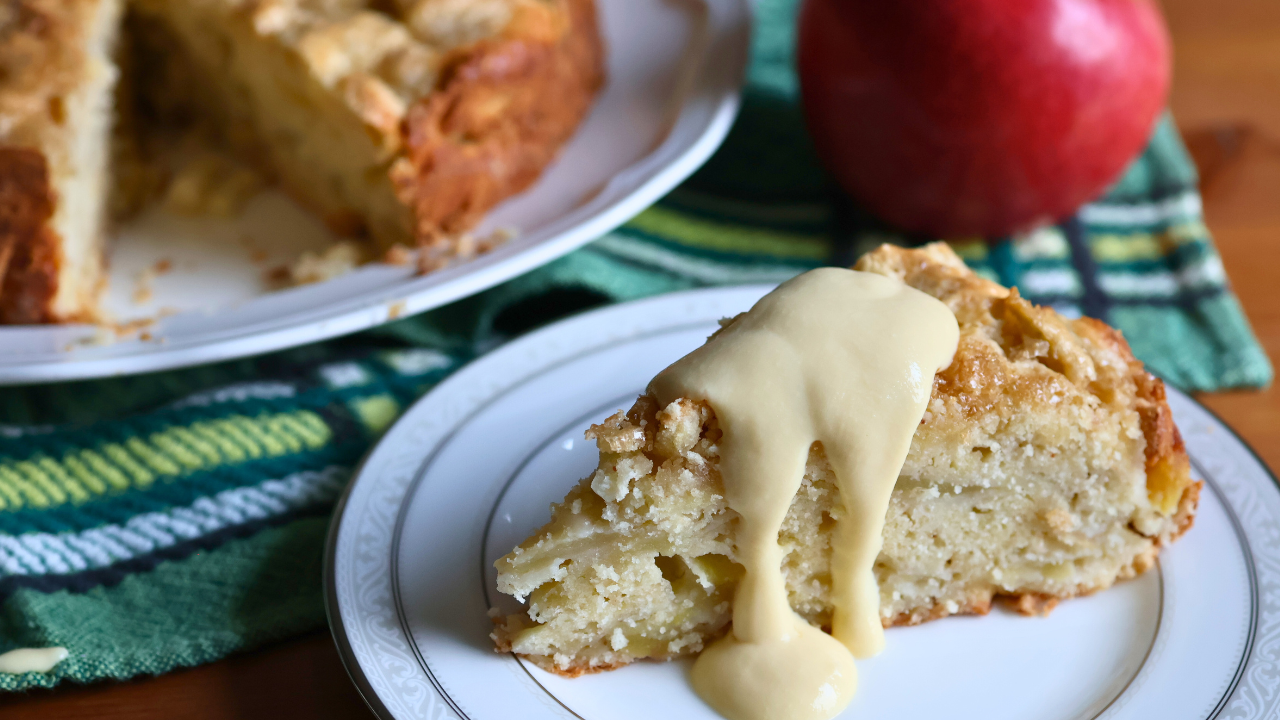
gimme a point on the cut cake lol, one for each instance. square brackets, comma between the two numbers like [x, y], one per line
[403, 121]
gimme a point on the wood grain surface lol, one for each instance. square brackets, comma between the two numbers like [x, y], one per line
[1226, 98]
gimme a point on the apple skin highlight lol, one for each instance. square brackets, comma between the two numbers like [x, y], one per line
[981, 117]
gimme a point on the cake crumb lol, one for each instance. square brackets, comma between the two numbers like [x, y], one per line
[460, 249]
[617, 641]
[337, 259]
[398, 255]
[143, 292]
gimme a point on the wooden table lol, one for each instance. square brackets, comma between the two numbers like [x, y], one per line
[1226, 98]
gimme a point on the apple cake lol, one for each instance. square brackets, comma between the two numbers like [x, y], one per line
[402, 121]
[1046, 466]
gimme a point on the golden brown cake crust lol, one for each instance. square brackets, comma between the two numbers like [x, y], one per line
[28, 245]
[503, 108]
[39, 53]
[1085, 352]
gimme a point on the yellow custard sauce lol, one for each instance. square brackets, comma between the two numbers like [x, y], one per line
[834, 356]
[25, 660]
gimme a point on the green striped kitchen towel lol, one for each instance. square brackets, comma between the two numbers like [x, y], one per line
[167, 520]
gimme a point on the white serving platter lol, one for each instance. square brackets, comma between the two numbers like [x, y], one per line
[674, 72]
[471, 469]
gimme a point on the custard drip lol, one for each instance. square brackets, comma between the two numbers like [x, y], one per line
[834, 356]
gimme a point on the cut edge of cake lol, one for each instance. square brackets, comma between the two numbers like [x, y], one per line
[1011, 352]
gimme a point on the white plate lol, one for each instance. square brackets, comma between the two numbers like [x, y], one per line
[674, 69]
[471, 469]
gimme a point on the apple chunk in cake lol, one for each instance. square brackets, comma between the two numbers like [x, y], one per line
[1046, 466]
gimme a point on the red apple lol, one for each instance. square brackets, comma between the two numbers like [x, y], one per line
[980, 117]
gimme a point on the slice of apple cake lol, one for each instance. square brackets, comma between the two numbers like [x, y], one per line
[1046, 466]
